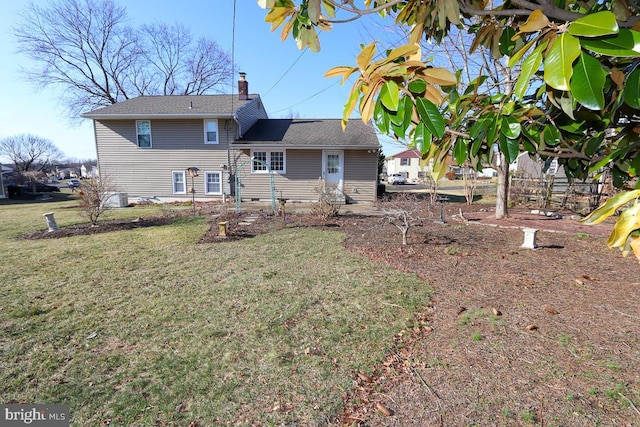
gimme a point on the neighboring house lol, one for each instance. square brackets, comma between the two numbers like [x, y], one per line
[3, 190]
[91, 172]
[406, 162]
[66, 173]
[146, 144]
[535, 169]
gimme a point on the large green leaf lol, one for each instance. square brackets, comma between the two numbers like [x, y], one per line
[593, 144]
[506, 42]
[510, 127]
[389, 95]
[558, 65]
[417, 86]
[529, 66]
[481, 125]
[430, 116]
[475, 146]
[403, 116]
[475, 84]
[626, 44]
[551, 136]
[594, 25]
[401, 119]
[634, 166]
[632, 89]
[460, 151]
[587, 82]
[494, 130]
[381, 118]
[528, 146]
[509, 147]
[422, 138]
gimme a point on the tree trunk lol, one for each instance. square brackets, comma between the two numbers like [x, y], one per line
[502, 197]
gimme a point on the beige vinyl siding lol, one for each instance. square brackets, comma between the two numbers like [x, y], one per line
[360, 176]
[304, 169]
[176, 145]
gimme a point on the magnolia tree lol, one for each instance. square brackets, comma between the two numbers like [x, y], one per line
[576, 97]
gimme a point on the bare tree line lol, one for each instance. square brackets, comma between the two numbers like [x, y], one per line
[87, 49]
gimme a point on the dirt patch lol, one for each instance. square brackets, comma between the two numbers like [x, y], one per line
[512, 336]
[85, 229]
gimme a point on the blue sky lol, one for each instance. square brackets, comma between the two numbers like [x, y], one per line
[290, 82]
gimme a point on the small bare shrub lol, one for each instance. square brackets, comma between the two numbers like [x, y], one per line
[329, 200]
[404, 210]
[431, 185]
[94, 195]
[470, 182]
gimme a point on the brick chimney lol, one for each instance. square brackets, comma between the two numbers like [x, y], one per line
[243, 88]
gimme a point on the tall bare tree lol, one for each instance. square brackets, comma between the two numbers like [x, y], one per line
[87, 48]
[30, 152]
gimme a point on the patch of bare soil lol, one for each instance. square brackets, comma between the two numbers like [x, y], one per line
[85, 229]
[512, 336]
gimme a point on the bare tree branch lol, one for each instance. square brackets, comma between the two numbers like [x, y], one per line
[30, 152]
[85, 48]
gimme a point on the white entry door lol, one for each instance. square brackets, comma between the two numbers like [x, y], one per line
[333, 170]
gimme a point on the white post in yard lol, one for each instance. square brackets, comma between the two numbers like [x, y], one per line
[51, 222]
[529, 238]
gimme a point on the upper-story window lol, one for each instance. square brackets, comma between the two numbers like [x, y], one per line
[143, 131]
[210, 131]
[405, 162]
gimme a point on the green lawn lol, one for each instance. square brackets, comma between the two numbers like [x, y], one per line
[127, 326]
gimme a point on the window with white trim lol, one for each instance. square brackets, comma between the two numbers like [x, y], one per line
[210, 131]
[143, 133]
[405, 162]
[179, 182]
[213, 182]
[276, 161]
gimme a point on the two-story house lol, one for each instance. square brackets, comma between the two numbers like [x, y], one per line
[147, 146]
[406, 162]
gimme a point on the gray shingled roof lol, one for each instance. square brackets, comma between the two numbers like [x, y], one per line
[171, 106]
[311, 133]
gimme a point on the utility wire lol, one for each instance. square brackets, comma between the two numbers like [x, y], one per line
[233, 49]
[310, 97]
[288, 69]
